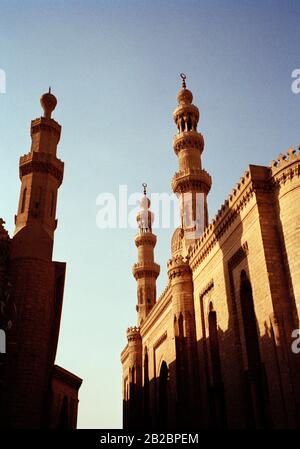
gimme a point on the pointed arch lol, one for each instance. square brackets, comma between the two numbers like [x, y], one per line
[217, 394]
[163, 396]
[255, 382]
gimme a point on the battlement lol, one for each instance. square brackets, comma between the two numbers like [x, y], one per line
[133, 330]
[133, 333]
[3, 232]
[285, 160]
[224, 209]
[178, 266]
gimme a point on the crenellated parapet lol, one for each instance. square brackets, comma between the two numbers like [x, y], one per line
[178, 266]
[286, 167]
[133, 334]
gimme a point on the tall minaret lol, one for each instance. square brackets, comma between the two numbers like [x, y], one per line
[37, 282]
[146, 270]
[191, 183]
[41, 174]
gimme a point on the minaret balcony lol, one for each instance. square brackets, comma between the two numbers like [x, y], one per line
[142, 270]
[191, 179]
[188, 139]
[145, 238]
[41, 162]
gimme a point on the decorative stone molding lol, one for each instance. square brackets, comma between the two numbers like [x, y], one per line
[160, 340]
[238, 256]
[146, 238]
[48, 125]
[191, 179]
[227, 214]
[207, 288]
[141, 270]
[188, 139]
[43, 167]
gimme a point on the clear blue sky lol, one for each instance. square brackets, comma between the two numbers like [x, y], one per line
[114, 67]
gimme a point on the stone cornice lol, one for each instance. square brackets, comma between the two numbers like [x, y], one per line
[141, 270]
[188, 139]
[188, 180]
[207, 288]
[147, 238]
[238, 256]
[160, 340]
[41, 162]
[44, 124]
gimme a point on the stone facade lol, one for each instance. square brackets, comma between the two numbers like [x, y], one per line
[214, 351]
[35, 393]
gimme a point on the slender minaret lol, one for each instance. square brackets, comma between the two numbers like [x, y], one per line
[37, 281]
[191, 183]
[41, 174]
[146, 270]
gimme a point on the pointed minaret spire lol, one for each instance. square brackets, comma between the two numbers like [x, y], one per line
[191, 183]
[145, 270]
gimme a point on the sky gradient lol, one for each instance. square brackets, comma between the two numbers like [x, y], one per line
[114, 67]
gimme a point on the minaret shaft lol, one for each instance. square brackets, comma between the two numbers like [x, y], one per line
[145, 270]
[191, 183]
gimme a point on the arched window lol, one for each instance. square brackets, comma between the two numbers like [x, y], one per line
[146, 385]
[217, 396]
[163, 396]
[249, 322]
[23, 200]
[214, 345]
[180, 326]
